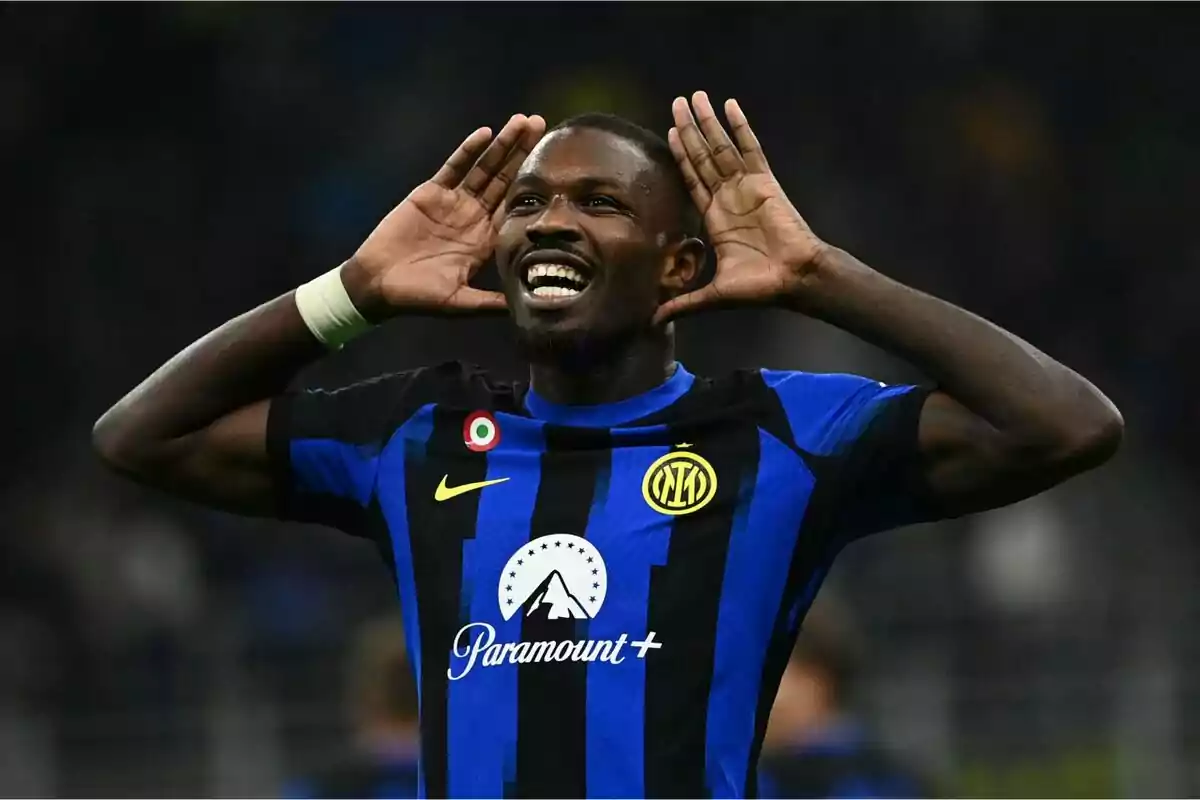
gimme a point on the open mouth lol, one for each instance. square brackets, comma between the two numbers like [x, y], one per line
[555, 277]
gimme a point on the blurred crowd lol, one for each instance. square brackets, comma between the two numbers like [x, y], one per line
[169, 166]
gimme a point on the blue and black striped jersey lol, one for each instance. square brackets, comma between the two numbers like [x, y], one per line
[600, 601]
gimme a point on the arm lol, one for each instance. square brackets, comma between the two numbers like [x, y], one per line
[1008, 421]
[197, 427]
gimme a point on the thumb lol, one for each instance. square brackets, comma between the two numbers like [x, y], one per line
[470, 300]
[685, 304]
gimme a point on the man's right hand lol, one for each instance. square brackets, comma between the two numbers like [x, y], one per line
[197, 427]
[423, 254]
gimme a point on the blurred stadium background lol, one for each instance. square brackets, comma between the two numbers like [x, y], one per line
[168, 166]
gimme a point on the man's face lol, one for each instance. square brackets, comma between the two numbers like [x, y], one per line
[585, 249]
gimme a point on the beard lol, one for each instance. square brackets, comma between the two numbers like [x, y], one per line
[574, 349]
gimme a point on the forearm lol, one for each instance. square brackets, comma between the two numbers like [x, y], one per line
[1002, 379]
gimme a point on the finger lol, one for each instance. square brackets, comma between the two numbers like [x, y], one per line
[493, 158]
[706, 297]
[694, 145]
[725, 155]
[460, 162]
[495, 190]
[700, 194]
[743, 136]
[470, 300]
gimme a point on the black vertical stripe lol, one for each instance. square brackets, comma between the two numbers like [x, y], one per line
[437, 532]
[684, 599]
[552, 696]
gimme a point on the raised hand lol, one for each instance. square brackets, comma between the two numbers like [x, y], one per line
[763, 246]
[423, 254]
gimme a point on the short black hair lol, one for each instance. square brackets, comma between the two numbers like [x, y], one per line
[655, 148]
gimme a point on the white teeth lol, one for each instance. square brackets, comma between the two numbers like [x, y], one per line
[553, 291]
[554, 271]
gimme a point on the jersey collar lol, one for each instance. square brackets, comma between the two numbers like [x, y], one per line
[611, 414]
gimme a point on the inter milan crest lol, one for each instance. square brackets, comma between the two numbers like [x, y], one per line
[679, 483]
[480, 432]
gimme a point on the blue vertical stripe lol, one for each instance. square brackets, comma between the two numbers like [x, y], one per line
[631, 538]
[765, 530]
[409, 441]
[329, 466]
[482, 706]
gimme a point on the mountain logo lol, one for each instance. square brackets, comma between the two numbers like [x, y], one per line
[560, 576]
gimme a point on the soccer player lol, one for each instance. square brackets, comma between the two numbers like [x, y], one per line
[383, 704]
[602, 572]
[816, 746]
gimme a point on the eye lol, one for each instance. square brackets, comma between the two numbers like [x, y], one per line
[602, 201]
[524, 202]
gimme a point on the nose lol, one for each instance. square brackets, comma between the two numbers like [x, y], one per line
[556, 221]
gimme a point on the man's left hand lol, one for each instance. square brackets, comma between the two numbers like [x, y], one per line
[764, 247]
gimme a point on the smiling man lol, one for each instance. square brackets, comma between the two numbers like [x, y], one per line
[602, 572]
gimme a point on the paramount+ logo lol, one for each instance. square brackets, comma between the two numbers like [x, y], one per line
[680, 482]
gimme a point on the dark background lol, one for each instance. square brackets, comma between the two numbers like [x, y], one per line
[165, 167]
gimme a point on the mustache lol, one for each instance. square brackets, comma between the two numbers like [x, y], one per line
[552, 245]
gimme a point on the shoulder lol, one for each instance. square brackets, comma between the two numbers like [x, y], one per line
[367, 408]
[816, 413]
[455, 383]
[827, 411]
[817, 391]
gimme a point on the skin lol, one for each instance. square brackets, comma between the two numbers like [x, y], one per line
[595, 196]
[1008, 422]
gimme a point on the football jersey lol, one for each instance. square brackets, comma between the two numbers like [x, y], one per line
[600, 600]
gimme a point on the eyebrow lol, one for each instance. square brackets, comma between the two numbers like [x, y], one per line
[585, 183]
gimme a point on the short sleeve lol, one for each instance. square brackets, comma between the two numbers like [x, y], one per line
[325, 444]
[863, 435]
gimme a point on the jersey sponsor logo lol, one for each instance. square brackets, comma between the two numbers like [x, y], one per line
[480, 432]
[557, 577]
[444, 492]
[679, 483]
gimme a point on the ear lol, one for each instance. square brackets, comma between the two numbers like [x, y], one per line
[683, 266]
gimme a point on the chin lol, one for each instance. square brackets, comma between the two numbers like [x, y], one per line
[551, 344]
[569, 346]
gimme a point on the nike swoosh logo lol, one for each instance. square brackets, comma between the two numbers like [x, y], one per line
[444, 492]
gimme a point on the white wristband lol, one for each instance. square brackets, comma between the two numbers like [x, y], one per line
[327, 310]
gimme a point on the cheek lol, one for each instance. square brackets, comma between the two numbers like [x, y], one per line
[627, 250]
[510, 233]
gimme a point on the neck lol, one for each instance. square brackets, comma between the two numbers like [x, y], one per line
[645, 363]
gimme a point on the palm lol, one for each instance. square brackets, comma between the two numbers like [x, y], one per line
[761, 242]
[431, 245]
[424, 253]
[753, 227]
